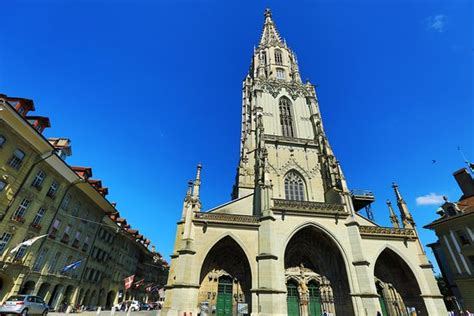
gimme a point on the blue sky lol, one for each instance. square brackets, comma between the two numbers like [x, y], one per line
[147, 89]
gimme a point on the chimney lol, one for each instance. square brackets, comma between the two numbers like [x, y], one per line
[465, 182]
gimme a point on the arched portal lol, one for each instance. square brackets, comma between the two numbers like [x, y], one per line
[225, 261]
[54, 299]
[27, 288]
[93, 298]
[397, 284]
[43, 290]
[312, 252]
[101, 298]
[85, 300]
[110, 300]
[5, 284]
[68, 294]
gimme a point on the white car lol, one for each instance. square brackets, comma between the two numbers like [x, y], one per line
[133, 305]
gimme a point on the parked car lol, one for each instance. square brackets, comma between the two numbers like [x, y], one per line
[24, 305]
[133, 305]
[152, 306]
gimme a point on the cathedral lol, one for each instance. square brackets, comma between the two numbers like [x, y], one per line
[292, 240]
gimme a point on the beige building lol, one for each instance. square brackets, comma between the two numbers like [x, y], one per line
[291, 241]
[454, 249]
[40, 194]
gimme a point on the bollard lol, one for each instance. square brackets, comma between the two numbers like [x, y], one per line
[98, 310]
[129, 311]
[68, 309]
[112, 311]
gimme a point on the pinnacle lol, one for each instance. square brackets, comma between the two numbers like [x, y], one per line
[270, 35]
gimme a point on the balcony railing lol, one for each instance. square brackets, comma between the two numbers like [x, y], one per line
[35, 226]
[18, 219]
[65, 239]
[309, 207]
[75, 243]
[52, 233]
[391, 232]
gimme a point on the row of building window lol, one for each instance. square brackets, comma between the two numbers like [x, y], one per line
[278, 57]
[38, 182]
[17, 157]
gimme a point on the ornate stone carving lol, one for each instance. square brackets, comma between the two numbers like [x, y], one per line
[377, 231]
[274, 87]
[307, 206]
[226, 218]
[303, 276]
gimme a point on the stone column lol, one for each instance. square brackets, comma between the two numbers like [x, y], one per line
[364, 294]
[271, 291]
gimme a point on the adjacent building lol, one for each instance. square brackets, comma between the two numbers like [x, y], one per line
[454, 249]
[41, 194]
[292, 240]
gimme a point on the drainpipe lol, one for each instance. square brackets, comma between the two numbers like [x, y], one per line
[49, 154]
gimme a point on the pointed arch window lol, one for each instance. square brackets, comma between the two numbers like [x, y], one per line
[278, 57]
[294, 186]
[286, 119]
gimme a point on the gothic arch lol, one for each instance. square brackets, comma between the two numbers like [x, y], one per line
[236, 239]
[396, 273]
[225, 258]
[292, 164]
[314, 248]
[297, 190]
[287, 117]
[325, 231]
[399, 254]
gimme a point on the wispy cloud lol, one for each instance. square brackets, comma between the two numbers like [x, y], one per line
[436, 23]
[430, 199]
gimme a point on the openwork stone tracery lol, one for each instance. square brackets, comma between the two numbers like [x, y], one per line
[304, 278]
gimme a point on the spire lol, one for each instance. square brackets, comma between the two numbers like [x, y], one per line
[270, 35]
[189, 191]
[407, 220]
[197, 182]
[393, 216]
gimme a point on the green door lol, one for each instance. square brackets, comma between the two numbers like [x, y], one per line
[224, 297]
[314, 300]
[292, 299]
[383, 306]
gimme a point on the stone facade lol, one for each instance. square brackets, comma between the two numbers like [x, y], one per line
[40, 194]
[454, 249]
[292, 239]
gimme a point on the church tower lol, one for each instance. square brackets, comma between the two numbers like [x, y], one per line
[292, 241]
[281, 122]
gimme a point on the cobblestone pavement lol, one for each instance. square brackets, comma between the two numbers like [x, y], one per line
[108, 313]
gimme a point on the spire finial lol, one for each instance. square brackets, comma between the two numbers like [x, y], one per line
[197, 182]
[393, 216]
[397, 192]
[267, 13]
[407, 220]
